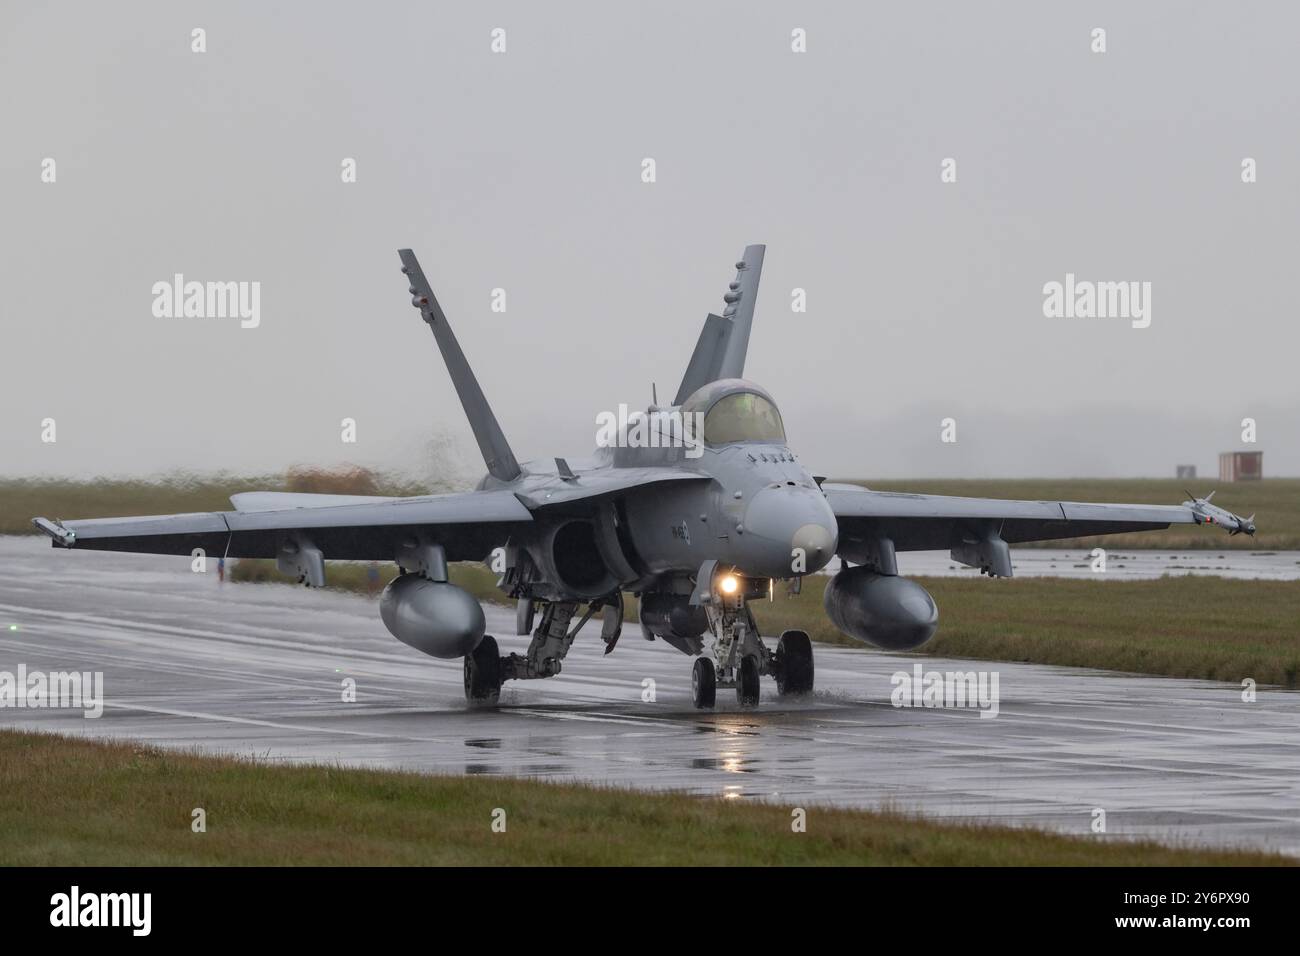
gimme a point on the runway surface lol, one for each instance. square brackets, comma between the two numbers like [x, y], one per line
[258, 669]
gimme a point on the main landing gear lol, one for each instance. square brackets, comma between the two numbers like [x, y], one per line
[486, 669]
[483, 672]
[740, 657]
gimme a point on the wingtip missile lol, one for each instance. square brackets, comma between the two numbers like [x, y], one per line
[1206, 513]
[62, 537]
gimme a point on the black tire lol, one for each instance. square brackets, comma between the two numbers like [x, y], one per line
[704, 683]
[747, 681]
[483, 672]
[794, 657]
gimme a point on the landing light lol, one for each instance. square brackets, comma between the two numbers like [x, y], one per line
[729, 584]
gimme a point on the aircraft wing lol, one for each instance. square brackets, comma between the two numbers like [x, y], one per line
[874, 524]
[468, 525]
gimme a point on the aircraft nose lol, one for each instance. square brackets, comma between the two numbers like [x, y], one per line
[816, 541]
[792, 531]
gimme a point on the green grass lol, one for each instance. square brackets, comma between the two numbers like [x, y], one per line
[78, 802]
[1275, 502]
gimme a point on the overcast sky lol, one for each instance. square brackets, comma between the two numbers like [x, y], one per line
[522, 170]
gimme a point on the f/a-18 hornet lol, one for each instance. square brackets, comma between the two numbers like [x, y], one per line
[697, 519]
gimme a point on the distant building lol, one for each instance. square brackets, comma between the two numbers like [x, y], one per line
[1241, 466]
[1186, 472]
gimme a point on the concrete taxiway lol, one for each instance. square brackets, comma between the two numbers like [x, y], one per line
[259, 669]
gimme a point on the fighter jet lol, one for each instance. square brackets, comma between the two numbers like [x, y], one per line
[696, 509]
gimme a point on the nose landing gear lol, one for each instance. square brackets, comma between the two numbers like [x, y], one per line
[740, 657]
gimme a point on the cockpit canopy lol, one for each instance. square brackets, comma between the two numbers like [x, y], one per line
[736, 411]
[743, 416]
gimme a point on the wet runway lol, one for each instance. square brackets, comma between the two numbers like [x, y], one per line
[259, 669]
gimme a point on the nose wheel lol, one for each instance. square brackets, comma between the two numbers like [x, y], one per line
[704, 683]
[747, 681]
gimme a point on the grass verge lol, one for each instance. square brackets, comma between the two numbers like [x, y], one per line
[77, 802]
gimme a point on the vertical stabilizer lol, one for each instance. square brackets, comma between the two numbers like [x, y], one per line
[740, 298]
[724, 340]
[491, 440]
[706, 360]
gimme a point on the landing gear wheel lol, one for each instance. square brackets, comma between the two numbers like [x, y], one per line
[794, 673]
[704, 683]
[747, 681]
[483, 672]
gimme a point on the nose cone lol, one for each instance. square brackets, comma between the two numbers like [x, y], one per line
[789, 530]
[815, 540]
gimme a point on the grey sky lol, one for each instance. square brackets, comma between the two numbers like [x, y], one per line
[522, 171]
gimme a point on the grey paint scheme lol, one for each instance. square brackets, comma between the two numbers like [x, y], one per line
[627, 518]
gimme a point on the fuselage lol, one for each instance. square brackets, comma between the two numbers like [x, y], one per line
[760, 512]
[754, 507]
